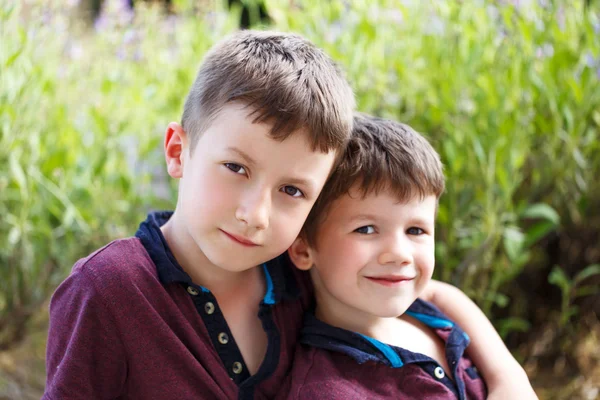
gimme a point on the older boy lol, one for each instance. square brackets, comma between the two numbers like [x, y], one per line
[187, 309]
[181, 310]
[369, 246]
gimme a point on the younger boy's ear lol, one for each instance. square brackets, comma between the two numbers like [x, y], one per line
[175, 144]
[300, 254]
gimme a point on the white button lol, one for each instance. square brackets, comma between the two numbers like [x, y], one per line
[439, 372]
[192, 290]
[209, 308]
[237, 367]
[223, 338]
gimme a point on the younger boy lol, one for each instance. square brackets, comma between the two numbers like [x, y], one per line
[369, 245]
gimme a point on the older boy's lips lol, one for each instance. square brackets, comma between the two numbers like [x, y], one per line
[389, 280]
[239, 239]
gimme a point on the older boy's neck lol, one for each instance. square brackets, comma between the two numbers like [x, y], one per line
[197, 266]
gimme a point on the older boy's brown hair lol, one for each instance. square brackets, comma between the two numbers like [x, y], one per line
[283, 79]
[381, 155]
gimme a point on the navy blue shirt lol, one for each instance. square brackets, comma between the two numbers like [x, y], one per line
[129, 323]
[336, 363]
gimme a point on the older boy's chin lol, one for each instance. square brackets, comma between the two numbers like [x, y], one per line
[237, 261]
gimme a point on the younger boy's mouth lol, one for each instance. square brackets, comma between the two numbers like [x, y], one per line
[239, 239]
[389, 280]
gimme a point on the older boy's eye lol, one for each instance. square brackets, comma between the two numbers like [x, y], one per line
[365, 230]
[238, 169]
[292, 191]
[415, 231]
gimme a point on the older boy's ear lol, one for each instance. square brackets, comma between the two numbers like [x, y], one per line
[175, 145]
[300, 254]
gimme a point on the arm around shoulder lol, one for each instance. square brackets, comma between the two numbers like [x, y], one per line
[504, 376]
[85, 357]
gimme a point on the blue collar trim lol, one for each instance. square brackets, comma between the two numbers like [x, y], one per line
[269, 296]
[387, 351]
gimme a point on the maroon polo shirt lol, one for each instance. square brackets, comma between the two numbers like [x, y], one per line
[128, 323]
[333, 363]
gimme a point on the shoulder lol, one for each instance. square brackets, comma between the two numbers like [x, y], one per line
[322, 374]
[123, 260]
[109, 276]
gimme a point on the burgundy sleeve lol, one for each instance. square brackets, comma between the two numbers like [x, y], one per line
[85, 357]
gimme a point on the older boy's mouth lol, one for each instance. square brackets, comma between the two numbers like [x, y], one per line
[240, 239]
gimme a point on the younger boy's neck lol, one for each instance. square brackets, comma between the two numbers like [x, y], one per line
[198, 266]
[382, 329]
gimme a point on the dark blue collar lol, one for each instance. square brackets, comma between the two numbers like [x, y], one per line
[281, 283]
[363, 348]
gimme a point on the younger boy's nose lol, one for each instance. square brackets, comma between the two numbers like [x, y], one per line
[396, 251]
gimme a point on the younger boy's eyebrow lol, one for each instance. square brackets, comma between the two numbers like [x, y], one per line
[362, 217]
[422, 221]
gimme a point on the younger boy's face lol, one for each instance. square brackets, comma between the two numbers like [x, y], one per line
[373, 256]
[245, 196]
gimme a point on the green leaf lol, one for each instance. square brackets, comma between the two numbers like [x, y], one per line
[513, 242]
[588, 290]
[13, 57]
[501, 300]
[542, 211]
[512, 324]
[587, 272]
[17, 173]
[537, 232]
[557, 277]
[14, 235]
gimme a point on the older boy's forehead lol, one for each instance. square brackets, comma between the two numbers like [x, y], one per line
[293, 158]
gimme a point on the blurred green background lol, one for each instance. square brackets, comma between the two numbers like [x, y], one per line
[507, 91]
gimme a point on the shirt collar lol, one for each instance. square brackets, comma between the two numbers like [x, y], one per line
[281, 283]
[362, 348]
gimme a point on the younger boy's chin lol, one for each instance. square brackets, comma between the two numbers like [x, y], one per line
[392, 312]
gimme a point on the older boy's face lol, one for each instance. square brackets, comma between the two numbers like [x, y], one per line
[373, 256]
[245, 196]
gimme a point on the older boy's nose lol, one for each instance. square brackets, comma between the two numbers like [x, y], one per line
[254, 210]
[397, 251]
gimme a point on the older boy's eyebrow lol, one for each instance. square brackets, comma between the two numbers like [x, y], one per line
[304, 183]
[293, 181]
[242, 154]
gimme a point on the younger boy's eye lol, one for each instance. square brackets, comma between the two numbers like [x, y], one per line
[292, 191]
[238, 169]
[415, 231]
[365, 230]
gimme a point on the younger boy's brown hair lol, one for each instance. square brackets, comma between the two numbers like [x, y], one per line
[283, 79]
[381, 155]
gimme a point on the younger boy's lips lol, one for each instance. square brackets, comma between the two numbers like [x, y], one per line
[389, 280]
[240, 239]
